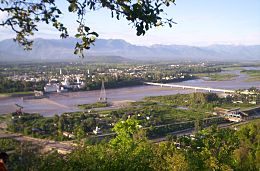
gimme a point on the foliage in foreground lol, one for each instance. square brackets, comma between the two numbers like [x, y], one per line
[210, 149]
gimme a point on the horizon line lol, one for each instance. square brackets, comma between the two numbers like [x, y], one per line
[213, 44]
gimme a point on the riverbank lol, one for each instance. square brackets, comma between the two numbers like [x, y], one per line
[16, 94]
[217, 76]
[59, 103]
[254, 75]
[108, 86]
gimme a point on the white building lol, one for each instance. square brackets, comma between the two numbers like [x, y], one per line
[51, 88]
[97, 130]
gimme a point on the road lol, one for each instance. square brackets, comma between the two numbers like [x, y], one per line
[188, 132]
[62, 147]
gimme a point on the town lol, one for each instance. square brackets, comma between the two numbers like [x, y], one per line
[74, 76]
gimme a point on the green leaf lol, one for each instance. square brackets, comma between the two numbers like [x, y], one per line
[77, 35]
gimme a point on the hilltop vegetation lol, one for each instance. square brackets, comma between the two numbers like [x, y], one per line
[209, 149]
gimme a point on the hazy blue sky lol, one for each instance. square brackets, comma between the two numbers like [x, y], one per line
[200, 22]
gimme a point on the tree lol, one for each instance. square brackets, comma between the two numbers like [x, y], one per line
[23, 155]
[125, 131]
[79, 132]
[198, 124]
[212, 149]
[24, 17]
[247, 156]
[131, 152]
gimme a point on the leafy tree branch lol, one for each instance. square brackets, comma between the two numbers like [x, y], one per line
[24, 16]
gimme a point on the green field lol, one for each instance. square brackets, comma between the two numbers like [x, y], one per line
[232, 68]
[93, 105]
[218, 77]
[254, 75]
[16, 94]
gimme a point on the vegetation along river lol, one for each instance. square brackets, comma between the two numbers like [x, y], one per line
[67, 102]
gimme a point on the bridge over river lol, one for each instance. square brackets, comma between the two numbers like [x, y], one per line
[191, 87]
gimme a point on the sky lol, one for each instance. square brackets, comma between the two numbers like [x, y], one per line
[199, 23]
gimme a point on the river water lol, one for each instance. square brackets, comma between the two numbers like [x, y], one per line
[67, 102]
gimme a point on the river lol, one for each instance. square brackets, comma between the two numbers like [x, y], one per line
[67, 102]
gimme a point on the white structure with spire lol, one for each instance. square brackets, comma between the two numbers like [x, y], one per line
[97, 130]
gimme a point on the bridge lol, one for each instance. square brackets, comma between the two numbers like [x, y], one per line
[191, 87]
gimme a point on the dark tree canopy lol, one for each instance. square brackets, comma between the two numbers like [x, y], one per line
[23, 17]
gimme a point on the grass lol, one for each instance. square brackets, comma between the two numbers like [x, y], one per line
[218, 77]
[232, 68]
[237, 105]
[247, 123]
[3, 118]
[143, 103]
[16, 94]
[93, 105]
[254, 75]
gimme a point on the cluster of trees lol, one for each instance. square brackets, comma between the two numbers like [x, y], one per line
[52, 127]
[162, 71]
[201, 101]
[198, 69]
[32, 124]
[10, 86]
[78, 123]
[195, 101]
[246, 98]
[209, 149]
[196, 125]
[22, 155]
[112, 82]
[154, 113]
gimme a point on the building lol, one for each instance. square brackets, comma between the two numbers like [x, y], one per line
[234, 115]
[66, 83]
[48, 88]
[97, 130]
[69, 135]
[38, 93]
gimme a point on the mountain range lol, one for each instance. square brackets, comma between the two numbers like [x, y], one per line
[117, 50]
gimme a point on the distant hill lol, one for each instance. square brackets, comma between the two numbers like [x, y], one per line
[117, 50]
